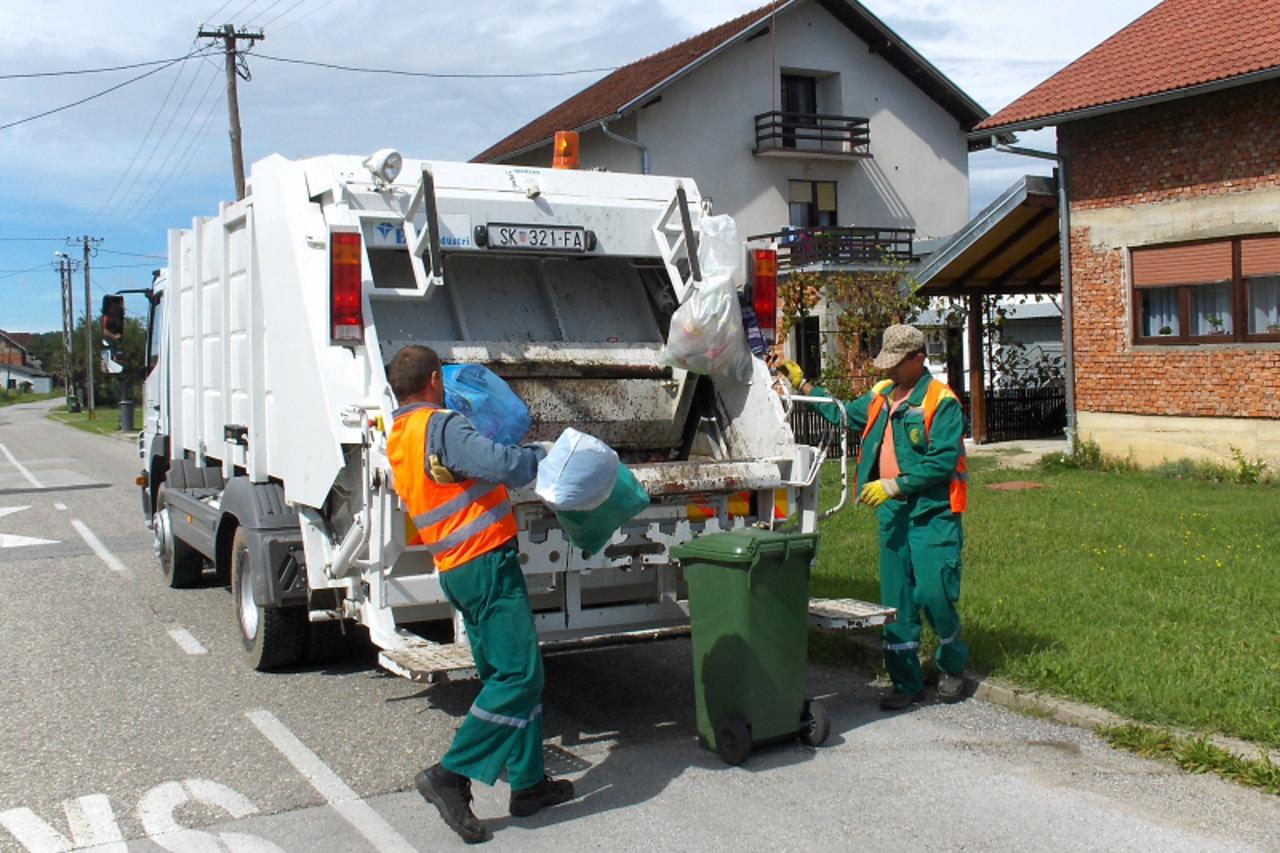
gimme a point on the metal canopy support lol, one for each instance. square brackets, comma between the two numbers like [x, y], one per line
[977, 389]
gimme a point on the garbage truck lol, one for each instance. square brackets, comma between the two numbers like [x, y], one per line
[267, 407]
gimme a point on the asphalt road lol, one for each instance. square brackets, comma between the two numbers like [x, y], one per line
[129, 722]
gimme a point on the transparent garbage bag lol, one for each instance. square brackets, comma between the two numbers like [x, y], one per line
[592, 529]
[706, 334]
[487, 401]
[577, 473]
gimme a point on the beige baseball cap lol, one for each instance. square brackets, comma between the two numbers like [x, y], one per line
[899, 341]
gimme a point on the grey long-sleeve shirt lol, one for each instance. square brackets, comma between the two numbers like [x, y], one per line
[469, 455]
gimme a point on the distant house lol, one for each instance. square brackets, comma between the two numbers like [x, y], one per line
[18, 372]
[1169, 135]
[811, 122]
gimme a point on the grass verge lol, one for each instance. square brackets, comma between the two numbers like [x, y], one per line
[1155, 598]
[13, 398]
[105, 423]
[1196, 755]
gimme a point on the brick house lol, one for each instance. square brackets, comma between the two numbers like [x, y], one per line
[1169, 135]
[811, 122]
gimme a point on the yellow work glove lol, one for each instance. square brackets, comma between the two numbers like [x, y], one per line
[792, 371]
[877, 492]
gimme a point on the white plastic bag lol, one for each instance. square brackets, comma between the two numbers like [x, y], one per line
[578, 472]
[706, 334]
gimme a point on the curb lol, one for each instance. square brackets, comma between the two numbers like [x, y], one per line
[1064, 711]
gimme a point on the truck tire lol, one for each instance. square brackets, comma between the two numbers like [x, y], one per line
[180, 564]
[273, 637]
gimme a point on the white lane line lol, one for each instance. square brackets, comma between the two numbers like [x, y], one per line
[21, 468]
[98, 548]
[329, 785]
[61, 507]
[186, 642]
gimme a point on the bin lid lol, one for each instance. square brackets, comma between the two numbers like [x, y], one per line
[744, 547]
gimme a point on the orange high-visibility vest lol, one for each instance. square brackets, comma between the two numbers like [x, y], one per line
[936, 393]
[456, 521]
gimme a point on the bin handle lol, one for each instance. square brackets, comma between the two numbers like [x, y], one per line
[822, 455]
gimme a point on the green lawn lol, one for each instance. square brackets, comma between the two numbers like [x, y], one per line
[11, 398]
[1154, 597]
[105, 423]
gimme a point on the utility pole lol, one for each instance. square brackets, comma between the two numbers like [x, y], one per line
[66, 265]
[90, 246]
[235, 67]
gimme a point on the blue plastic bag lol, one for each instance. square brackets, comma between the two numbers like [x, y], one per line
[488, 402]
[592, 529]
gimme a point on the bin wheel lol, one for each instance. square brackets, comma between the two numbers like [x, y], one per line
[814, 724]
[733, 741]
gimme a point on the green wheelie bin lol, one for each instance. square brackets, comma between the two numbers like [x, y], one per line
[749, 610]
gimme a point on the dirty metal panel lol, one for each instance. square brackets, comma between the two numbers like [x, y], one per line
[626, 414]
[675, 478]
[847, 614]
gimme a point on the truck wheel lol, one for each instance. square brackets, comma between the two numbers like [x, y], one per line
[180, 564]
[814, 724]
[733, 741]
[273, 637]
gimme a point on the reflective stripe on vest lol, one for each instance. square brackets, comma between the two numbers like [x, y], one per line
[933, 397]
[456, 521]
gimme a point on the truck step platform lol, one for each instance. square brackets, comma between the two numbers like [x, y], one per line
[849, 614]
[429, 662]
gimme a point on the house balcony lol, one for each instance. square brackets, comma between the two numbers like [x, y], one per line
[812, 136]
[817, 249]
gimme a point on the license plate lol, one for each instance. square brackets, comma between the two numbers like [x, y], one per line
[538, 238]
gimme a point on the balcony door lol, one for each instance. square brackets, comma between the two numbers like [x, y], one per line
[811, 204]
[799, 96]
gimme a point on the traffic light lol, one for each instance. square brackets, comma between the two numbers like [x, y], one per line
[113, 317]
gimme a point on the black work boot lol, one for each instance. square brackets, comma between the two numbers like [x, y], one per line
[451, 795]
[548, 792]
[898, 701]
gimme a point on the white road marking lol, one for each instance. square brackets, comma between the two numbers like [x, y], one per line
[90, 821]
[21, 468]
[329, 785]
[13, 540]
[98, 548]
[59, 506]
[186, 642]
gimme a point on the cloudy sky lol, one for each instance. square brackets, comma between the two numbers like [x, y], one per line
[130, 164]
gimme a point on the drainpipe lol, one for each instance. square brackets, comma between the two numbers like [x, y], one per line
[644, 152]
[1064, 240]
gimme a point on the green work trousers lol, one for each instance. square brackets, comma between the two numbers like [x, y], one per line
[503, 728]
[920, 573]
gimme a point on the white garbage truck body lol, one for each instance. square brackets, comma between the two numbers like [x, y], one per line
[267, 405]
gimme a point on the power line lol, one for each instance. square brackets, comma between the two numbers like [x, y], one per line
[132, 254]
[306, 14]
[285, 12]
[217, 10]
[435, 74]
[95, 95]
[273, 4]
[12, 273]
[122, 266]
[33, 239]
[157, 201]
[29, 75]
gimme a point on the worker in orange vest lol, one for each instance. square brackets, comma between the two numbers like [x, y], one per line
[912, 470]
[453, 481]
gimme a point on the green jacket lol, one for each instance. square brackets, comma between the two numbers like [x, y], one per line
[927, 464]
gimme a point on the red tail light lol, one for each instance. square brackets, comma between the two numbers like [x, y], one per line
[764, 289]
[345, 311]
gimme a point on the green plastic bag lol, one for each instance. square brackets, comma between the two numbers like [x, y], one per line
[591, 529]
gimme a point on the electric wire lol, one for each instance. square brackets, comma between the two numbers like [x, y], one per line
[285, 12]
[12, 273]
[217, 10]
[243, 9]
[133, 254]
[141, 144]
[33, 74]
[95, 95]
[124, 202]
[166, 184]
[272, 5]
[435, 74]
[33, 239]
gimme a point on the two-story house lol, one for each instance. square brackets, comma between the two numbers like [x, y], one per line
[18, 372]
[811, 122]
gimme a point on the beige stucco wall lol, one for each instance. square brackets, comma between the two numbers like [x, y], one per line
[1150, 440]
[703, 127]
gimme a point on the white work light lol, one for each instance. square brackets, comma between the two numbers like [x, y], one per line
[384, 164]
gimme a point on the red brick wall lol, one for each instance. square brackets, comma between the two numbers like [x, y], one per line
[1218, 144]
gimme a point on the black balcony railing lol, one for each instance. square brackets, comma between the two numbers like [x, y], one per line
[805, 247]
[810, 133]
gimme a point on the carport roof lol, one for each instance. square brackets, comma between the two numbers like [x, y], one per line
[1011, 247]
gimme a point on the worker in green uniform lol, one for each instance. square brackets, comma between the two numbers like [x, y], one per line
[911, 469]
